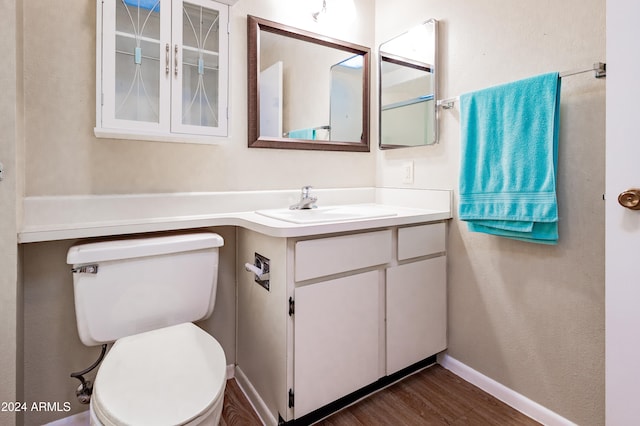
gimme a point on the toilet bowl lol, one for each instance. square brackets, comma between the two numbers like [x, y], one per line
[170, 376]
[143, 294]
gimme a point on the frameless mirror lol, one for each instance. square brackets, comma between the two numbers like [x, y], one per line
[408, 88]
[306, 91]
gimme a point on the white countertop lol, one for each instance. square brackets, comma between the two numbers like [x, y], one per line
[70, 217]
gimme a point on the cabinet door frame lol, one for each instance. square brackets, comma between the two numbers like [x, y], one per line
[416, 312]
[106, 81]
[337, 339]
[177, 74]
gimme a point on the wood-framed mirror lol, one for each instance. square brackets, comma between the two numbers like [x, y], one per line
[306, 91]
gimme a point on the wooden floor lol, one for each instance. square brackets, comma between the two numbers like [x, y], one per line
[236, 409]
[433, 396]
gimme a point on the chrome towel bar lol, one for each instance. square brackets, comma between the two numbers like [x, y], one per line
[600, 69]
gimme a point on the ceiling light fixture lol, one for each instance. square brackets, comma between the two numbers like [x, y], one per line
[316, 15]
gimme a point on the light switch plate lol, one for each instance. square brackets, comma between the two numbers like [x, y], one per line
[407, 172]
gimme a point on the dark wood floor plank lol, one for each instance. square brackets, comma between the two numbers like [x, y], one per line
[427, 390]
[416, 404]
[433, 396]
[472, 418]
[347, 418]
[384, 411]
[237, 410]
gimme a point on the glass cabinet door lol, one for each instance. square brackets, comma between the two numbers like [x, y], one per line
[135, 58]
[162, 68]
[199, 91]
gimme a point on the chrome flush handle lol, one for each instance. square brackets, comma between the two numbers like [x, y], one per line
[85, 269]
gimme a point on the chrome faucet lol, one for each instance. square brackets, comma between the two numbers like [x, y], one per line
[307, 201]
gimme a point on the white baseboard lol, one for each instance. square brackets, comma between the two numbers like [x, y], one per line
[503, 393]
[231, 371]
[254, 399]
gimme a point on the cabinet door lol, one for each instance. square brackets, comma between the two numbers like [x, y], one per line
[416, 312]
[135, 52]
[336, 339]
[200, 49]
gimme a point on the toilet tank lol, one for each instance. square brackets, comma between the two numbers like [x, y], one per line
[129, 286]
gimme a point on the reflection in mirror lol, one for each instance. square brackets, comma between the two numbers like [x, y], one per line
[408, 88]
[306, 91]
[345, 106]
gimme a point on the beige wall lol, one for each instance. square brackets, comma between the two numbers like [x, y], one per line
[10, 194]
[530, 317]
[63, 156]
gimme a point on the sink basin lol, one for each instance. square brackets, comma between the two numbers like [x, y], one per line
[329, 214]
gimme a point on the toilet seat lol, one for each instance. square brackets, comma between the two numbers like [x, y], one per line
[169, 376]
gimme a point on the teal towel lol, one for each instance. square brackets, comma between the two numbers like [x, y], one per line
[303, 134]
[508, 159]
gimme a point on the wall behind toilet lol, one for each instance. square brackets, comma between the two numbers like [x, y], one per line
[11, 207]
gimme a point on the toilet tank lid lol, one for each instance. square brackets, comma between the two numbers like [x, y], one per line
[140, 247]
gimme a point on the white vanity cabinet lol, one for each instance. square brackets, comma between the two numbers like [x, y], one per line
[337, 320]
[162, 69]
[342, 312]
[336, 339]
[416, 297]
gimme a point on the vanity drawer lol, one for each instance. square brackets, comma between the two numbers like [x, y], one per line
[422, 240]
[326, 256]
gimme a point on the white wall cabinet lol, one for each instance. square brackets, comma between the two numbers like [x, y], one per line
[162, 69]
[341, 312]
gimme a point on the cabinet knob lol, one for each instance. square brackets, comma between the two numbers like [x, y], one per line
[630, 199]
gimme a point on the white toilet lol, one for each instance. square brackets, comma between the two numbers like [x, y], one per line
[143, 293]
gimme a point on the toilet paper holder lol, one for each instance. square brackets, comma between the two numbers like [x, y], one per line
[260, 269]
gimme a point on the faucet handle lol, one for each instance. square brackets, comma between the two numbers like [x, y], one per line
[306, 200]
